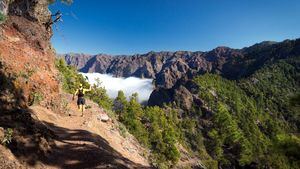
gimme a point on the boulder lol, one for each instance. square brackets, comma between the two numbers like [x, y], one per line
[4, 6]
[103, 117]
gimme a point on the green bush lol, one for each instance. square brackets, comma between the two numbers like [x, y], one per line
[35, 98]
[2, 18]
[8, 135]
[289, 145]
[154, 127]
[163, 134]
[71, 80]
[69, 77]
[99, 96]
[120, 103]
[131, 119]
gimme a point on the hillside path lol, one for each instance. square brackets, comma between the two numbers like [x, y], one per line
[87, 142]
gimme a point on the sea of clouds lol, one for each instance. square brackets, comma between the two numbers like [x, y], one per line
[128, 85]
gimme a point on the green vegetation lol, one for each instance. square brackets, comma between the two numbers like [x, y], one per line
[131, 119]
[2, 17]
[99, 96]
[35, 98]
[154, 127]
[120, 103]
[162, 131]
[8, 135]
[234, 121]
[274, 86]
[71, 79]
[247, 118]
[163, 134]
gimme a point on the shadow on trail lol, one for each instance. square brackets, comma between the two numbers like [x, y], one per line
[83, 149]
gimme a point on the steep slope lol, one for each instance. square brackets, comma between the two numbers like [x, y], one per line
[26, 51]
[273, 86]
[253, 59]
[27, 74]
[243, 131]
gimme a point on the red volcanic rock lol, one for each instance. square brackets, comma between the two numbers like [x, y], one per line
[26, 52]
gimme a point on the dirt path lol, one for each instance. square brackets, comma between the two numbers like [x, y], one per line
[86, 142]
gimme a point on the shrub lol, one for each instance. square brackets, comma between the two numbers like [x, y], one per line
[120, 103]
[99, 96]
[71, 79]
[2, 17]
[35, 98]
[69, 76]
[8, 135]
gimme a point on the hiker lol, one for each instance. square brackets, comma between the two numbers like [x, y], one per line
[80, 92]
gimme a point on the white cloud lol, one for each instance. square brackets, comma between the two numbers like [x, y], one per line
[129, 85]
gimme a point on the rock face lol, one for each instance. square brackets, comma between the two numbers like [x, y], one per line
[26, 52]
[145, 66]
[172, 70]
[34, 10]
[4, 6]
[27, 75]
[167, 67]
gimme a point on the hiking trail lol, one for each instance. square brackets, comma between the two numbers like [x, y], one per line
[87, 142]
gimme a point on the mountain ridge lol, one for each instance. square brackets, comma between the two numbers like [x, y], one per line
[173, 71]
[167, 67]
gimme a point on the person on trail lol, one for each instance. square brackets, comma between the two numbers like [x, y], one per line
[80, 92]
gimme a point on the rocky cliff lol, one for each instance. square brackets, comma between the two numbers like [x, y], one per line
[167, 67]
[26, 51]
[171, 70]
[27, 76]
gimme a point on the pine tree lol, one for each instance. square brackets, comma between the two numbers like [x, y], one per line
[132, 119]
[120, 103]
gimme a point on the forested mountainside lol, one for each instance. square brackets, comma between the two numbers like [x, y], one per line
[234, 108]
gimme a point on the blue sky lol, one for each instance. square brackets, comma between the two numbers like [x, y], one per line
[140, 26]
